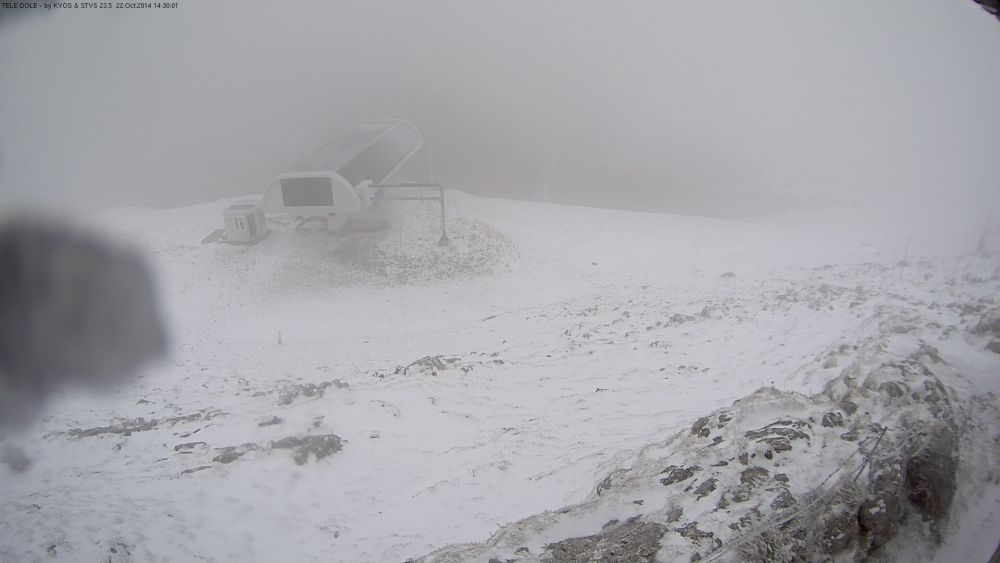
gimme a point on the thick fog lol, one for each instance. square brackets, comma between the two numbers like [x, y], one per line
[715, 108]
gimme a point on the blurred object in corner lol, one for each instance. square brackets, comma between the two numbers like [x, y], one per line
[73, 309]
[991, 6]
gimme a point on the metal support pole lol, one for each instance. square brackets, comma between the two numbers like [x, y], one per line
[443, 241]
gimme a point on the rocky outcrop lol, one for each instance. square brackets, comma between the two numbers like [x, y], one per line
[835, 474]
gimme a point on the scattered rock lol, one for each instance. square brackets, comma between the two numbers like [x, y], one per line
[319, 445]
[705, 488]
[754, 476]
[989, 324]
[930, 476]
[838, 530]
[634, 541]
[691, 532]
[832, 419]
[676, 474]
[291, 391]
[230, 454]
[189, 446]
[783, 500]
[700, 427]
[880, 513]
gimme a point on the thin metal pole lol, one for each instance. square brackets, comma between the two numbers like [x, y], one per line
[444, 231]
[906, 254]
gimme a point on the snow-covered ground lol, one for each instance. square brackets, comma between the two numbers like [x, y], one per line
[473, 385]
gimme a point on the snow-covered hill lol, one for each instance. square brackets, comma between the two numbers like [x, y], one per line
[374, 397]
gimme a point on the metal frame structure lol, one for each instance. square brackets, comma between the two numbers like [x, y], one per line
[384, 192]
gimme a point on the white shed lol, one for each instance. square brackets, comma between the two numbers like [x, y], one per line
[245, 222]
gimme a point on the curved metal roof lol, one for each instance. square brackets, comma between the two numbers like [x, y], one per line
[374, 150]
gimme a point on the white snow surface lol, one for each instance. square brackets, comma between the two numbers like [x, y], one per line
[570, 338]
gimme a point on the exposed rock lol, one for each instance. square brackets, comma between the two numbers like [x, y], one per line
[705, 488]
[783, 500]
[126, 426]
[633, 541]
[838, 530]
[189, 446]
[700, 427]
[230, 454]
[691, 532]
[880, 513]
[753, 476]
[319, 445]
[930, 476]
[676, 474]
[894, 389]
[989, 324]
[832, 419]
[291, 391]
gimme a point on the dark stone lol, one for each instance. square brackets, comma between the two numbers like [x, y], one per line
[676, 474]
[989, 324]
[321, 446]
[994, 346]
[187, 447]
[744, 458]
[783, 429]
[880, 513]
[754, 475]
[700, 427]
[930, 476]
[691, 532]
[893, 389]
[632, 541]
[779, 444]
[783, 500]
[230, 454]
[705, 488]
[832, 419]
[673, 515]
[839, 530]
[742, 493]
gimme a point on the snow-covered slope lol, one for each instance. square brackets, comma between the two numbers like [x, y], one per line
[373, 397]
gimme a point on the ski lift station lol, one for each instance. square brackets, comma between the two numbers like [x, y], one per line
[338, 181]
[343, 178]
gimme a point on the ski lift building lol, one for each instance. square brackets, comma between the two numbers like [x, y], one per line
[336, 181]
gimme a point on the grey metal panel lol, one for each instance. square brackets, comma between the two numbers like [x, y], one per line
[306, 191]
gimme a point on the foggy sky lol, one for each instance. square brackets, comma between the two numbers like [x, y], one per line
[648, 103]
